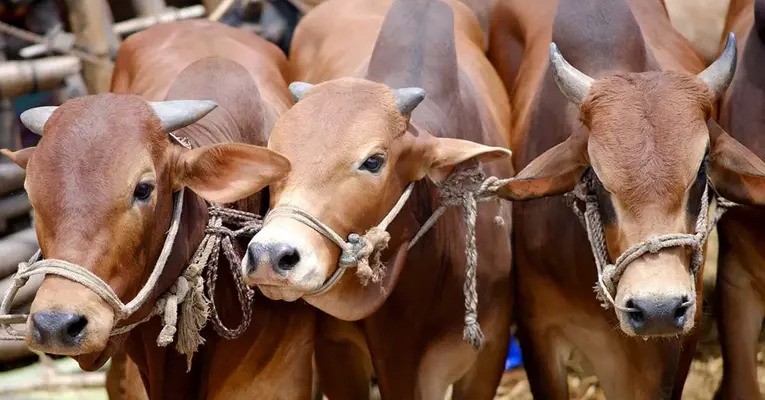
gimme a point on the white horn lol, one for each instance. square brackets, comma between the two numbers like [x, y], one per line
[408, 98]
[719, 74]
[176, 114]
[573, 83]
[299, 89]
[35, 118]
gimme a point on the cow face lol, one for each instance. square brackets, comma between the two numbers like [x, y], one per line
[646, 137]
[353, 153]
[101, 182]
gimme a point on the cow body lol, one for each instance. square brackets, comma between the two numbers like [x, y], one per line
[556, 310]
[244, 75]
[412, 332]
[740, 294]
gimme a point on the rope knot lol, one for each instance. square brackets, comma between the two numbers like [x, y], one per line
[365, 251]
[462, 182]
[653, 245]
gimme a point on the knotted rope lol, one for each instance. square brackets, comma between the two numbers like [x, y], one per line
[217, 237]
[464, 187]
[76, 273]
[609, 274]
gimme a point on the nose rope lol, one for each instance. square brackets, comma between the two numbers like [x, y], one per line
[609, 274]
[465, 187]
[37, 266]
[184, 307]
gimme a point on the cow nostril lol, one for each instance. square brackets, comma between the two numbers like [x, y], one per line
[682, 312]
[288, 258]
[77, 326]
[62, 328]
[636, 315]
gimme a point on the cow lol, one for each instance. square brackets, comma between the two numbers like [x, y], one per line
[101, 182]
[739, 296]
[359, 134]
[631, 132]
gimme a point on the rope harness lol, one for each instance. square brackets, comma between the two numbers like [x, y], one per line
[464, 188]
[610, 273]
[184, 307]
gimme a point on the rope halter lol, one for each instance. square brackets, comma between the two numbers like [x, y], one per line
[122, 311]
[610, 273]
[184, 307]
[464, 187]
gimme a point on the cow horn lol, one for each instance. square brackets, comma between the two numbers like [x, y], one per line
[176, 114]
[573, 83]
[408, 98]
[299, 89]
[719, 74]
[35, 118]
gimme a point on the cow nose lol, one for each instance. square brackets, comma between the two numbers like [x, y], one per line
[257, 254]
[652, 316]
[58, 328]
[285, 257]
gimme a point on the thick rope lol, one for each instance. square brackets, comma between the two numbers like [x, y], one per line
[464, 188]
[219, 237]
[609, 274]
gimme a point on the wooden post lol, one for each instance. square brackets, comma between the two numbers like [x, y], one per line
[22, 77]
[145, 8]
[210, 5]
[91, 22]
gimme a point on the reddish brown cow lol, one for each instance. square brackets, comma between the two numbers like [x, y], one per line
[637, 134]
[354, 149]
[102, 180]
[740, 294]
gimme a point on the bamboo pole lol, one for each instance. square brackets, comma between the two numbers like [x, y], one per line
[145, 8]
[22, 77]
[15, 248]
[91, 22]
[168, 15]
[220, 10]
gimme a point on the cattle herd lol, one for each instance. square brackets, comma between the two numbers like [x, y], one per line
[248, 224]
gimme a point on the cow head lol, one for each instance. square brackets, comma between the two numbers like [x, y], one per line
[101, 182]
[646, 137]
[353, 152]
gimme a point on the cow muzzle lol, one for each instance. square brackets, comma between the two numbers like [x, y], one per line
[286, 260]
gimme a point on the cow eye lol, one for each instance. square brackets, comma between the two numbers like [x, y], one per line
[373, 164]
[143, 191]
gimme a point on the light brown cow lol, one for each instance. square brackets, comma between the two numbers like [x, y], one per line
[102, 180]
[354, 149]
[740, 292]
[637, 132]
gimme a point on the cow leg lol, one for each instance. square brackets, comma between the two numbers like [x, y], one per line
[740, 311]
[544, 361]
[342, 359]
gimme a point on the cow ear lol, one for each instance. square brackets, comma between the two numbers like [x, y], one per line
[225, 173]
[556, 171]
[21, 157]
[735, 172]
[448, 153]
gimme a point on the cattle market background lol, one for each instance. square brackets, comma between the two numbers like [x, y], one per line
[54, 50]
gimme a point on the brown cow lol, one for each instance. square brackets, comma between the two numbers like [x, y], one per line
[637, 134]
[740, 293]
[102, 180]
[354, 150]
